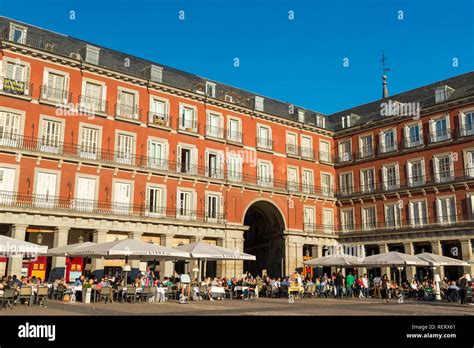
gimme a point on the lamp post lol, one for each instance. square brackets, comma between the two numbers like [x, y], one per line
[400, 269]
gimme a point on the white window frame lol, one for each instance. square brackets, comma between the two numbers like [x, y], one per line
[121, 108]
[424, 213]
[130, 157]
[346, 190]
[364, 188]
[193, 159]
[307, 187]
[327, 191]
[309, 221]
[16, 27]
[261, 180]
[469, 162]
[385, 182]
[63, 93]
[364, 150]
[436, 167]
[365, 224]
[344, 156]
[397, 214]
[291, 149]
[409, 143]
[116, 206]
[345, 226]
[219, 206]
[81, 204]
[409, 166]
[307, 152]
[189, 212]
[100, 104]
[463, 129]
[434, 136]
[162, 163]
[259, 103]
[48, 147]
[160, 208]
[235, 136]
[212, 130]
[183, 122]
[323, 155]
[261, 143]
[293, 185]
[451, 218]
[384, 148]
[85, 150]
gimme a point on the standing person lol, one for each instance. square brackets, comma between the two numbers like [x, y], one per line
[385, 284]
[149, 275]
[339, 284]
[349, 283]
[365, 285]
[463, 288]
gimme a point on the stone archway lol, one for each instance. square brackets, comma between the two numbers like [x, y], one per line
[264, 239]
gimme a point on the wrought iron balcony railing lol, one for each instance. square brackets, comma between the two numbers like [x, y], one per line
[158, 119]
[264, 143]
[93, 105]
[215, 132]
[234, 136]
[131, 112]
[54, 95]
[94, 207]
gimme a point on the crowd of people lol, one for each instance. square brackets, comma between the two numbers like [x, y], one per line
[333, 285]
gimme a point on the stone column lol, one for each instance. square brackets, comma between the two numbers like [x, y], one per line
[196, 264]
[362, 270]
[166, 267]
[97, 264]
[15, 262]
[436, 248]
[383, 248]
[134, 264]
[410, 270]
[466, 249]
[58, 263]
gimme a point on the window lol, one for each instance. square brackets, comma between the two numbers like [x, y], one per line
[440, 129]
[155, 197]
[214, 207]
[469, 162]
[301, 116]
[307, 147]
[45, 193]
[264, 138]
[158, 114]
[85, 194]
[93, 98]
[417, 212]
[17, 33]
[326, 185]
[446, 210]
[365, 146]
[308, 181]
[292, 178]
[443, 168]
[50, 136]
[320, 121]
[466, 123]
[7, 185]
[124, 150]
[9, 128]
[345, 151]
[89, 142]
[55, 88]
[186, 204]
[214, 126]
[233, 130]
[187, 159]
[367, 180]
[259, 101]
[388, 141]
[16, 77]
[234, 167]
[188, 119]
[291, 144]
[413, 135]
[210, 89]
[122, 196]
[392, 215]
[442, 93]
[368, 218]
[156, 73]
[92, 54]
[229, 98]
[157, 154]
[324, 152]
[470, 202]
[416, 172]
[265, 174]
[345, 184]
[328, 220]
[127, 104]
[309, 218]
[390, 175]
[347, 220]
[214, 164]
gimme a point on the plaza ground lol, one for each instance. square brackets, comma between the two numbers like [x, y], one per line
[260, 307]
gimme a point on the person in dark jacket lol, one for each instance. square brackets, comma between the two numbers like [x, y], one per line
[463, 288]
[384, 287]
[339, 284]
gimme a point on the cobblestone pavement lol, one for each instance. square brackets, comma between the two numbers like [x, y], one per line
[259, 307]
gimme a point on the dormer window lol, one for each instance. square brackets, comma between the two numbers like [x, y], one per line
[346, 121]
[259, 103]
[92, 55]
[442, 93]
[210, 89]
[156, 73]
[301, 116]
[17, 33]
[320, 121]
[229, 98]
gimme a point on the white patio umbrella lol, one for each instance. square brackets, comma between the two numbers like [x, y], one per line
[333, 260]
[440, 260]
[393, 259]
[15, 247]
[129, 249]
[66, 250]
[208, 252]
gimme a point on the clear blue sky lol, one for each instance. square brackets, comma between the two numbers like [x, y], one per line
[299, 61]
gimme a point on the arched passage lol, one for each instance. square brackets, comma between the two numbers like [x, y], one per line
[264, 239]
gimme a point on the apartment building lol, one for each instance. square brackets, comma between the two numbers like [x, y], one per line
[98, 145]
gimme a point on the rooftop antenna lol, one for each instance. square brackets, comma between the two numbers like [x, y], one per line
[385, 69]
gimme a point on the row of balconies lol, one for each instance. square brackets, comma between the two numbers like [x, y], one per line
[407, 144]
[93, 207]
[81, 153]
[446, 177]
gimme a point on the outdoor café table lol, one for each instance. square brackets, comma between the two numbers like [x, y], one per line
[218, 290]
[296, 290]
[240, 288]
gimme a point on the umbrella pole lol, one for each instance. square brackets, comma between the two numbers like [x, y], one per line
[126, 272]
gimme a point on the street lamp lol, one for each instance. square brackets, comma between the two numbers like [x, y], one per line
[39, 238]
[81, 238]
[400, 269]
